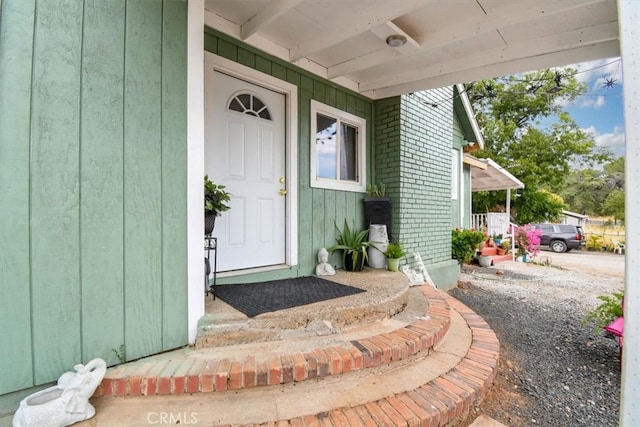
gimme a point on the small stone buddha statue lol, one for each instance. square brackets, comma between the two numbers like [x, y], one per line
[324, 268]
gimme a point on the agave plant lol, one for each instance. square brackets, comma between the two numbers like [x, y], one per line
[353, 244]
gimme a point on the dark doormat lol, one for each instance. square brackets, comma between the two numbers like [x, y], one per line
[264, 297]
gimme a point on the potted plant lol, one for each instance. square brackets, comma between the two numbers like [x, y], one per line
[377, 206]
[504, 247]
[394, 253]
[216, 201]
[353, 245]
[464, 244]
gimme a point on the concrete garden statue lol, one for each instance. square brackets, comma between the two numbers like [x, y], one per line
[324, 268]
[65, 403]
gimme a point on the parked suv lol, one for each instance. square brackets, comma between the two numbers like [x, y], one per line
[561, 237]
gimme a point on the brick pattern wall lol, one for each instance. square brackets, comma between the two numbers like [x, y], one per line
[413, 142]
[425, 171]
[387, 153]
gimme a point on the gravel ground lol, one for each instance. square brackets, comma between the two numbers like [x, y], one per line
[553, 371]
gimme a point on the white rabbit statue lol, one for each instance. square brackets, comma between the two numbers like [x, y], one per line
[65, 403]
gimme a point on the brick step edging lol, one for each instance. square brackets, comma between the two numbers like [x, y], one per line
[189, 375]
[438, 402]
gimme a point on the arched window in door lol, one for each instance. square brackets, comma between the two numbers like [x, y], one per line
[247, 103]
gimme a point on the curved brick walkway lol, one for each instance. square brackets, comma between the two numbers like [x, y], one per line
[193, 374]
[438, 402]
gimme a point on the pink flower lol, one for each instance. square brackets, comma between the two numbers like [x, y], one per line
[528, 239]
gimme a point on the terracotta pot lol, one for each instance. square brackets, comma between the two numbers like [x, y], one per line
[501, 251]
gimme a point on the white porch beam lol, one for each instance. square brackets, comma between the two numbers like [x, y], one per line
[195, 165]
[528, 49]
[513, 13]
[346, 26]
[628, 17]
[270, 13]
[381, 56]
[587, 53]
[220, 24]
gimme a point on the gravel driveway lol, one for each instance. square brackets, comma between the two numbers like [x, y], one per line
[553, 371]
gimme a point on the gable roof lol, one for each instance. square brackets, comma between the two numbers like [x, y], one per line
[466, 116]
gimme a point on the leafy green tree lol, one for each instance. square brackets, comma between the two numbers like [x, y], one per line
[541, 206]
[527, 131]
[586, 190]
[615, 167]
[614, 205]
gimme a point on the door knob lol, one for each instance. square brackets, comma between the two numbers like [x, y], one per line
[282, 192]
[281, 180]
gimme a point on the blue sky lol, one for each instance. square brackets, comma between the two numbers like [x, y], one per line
[600, 111]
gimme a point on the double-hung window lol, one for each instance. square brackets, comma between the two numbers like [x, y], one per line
[338, 149]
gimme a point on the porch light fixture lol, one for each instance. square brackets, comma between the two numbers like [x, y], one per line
[396, 40]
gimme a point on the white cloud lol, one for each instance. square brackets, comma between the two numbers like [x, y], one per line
[613, 141]
[592, 102]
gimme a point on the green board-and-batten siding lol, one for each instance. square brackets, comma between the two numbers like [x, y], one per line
[318, 209]
[92, 183]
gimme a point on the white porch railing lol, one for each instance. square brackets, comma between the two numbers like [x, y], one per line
[495, 223]
[478, 221]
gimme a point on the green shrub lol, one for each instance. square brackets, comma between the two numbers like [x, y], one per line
[464, 244]
[608, 311]
[594, 241]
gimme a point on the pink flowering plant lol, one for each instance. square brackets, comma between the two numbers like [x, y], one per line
[528, 239]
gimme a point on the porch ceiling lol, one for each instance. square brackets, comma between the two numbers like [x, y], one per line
[492, 177]
[448, 42]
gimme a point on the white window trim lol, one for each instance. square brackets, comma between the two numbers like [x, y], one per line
[361, 124]
[455, 173]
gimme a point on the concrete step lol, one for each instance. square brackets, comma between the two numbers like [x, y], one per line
[501, 258]
[386, 297]
[421, 326]
[428, 388]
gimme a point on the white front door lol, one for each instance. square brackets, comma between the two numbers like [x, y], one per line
[245, 151]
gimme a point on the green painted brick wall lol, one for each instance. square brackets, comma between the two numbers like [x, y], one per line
[413, 157]
[388, 153]
[426, 173]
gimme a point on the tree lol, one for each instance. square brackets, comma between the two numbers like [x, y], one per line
[541, 206]
[614, 205]
[527, 131]
[586, 190]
